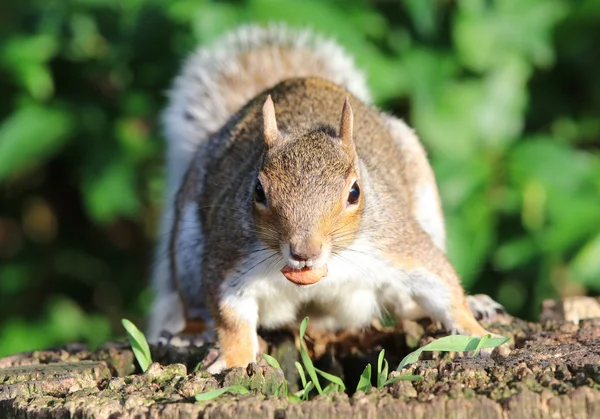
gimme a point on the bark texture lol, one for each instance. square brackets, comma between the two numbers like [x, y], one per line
[552, 371]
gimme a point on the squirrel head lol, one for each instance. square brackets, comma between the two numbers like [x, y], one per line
[307, 196]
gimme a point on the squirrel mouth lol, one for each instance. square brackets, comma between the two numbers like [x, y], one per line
[304, 276]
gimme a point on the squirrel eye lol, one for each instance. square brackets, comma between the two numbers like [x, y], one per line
[354, 194]
[259, 194]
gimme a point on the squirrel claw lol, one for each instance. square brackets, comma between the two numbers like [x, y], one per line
[213, 362]
[217, 367]
[485, 308]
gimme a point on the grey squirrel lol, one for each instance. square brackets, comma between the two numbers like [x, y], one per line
[289, 194]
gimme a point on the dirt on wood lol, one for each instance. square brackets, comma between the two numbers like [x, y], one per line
[553, 370]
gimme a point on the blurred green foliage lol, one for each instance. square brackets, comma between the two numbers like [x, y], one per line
[504, 93]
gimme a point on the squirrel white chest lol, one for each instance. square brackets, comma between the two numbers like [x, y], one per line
[356, 290]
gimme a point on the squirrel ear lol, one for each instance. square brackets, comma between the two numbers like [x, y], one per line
[346, 125]
[270, 131]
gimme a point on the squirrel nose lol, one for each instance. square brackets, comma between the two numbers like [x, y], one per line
[304, 253]
[302, 257]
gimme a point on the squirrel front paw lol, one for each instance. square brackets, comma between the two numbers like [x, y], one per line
[218, 366]
[479, 331]
[485, 308]
[228, 360]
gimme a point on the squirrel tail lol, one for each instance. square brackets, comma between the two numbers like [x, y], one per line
[217, 80]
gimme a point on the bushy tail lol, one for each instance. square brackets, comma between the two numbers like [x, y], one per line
[217, 80]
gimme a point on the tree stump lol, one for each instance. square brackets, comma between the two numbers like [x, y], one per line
[553, 370]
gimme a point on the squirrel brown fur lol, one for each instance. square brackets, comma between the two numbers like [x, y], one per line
[290, 195]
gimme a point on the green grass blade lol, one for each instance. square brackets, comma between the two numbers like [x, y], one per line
[460, 343]
[213, 394]
[453, 343]
[406, 377]
[329, 388]
[364, 384]
[303, 394]
[197, 367]
[384, 373]
[294, 398]
[138, 343]
[275, 364]
[299, 393]
[332, 378]
[272, 361]
[410, 359]
[308, 365]
[307, 390]
[380, 360]
[481, 343]
[387, 320]
[310, 369]
[301, 372]
[303, 326]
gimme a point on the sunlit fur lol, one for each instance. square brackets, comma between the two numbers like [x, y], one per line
[315, 168]
[226, 252]
[214, 83]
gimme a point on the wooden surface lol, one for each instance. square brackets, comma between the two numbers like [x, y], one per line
[552, 371]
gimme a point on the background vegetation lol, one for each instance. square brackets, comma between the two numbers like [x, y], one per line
[504, 93]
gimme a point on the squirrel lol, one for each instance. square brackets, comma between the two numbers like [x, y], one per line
[289, 194]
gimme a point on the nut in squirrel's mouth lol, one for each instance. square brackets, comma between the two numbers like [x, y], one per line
[304, 276]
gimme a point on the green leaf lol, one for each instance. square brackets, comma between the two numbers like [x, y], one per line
[299, 393]
[310, 369]
[364, 384]
[31, 134]
[280, 389]
[272, 361]
[213, 394]
[515, 252]
[301, 372]
[423, 14]
[481, 343]
[454, 343]
[30, 49]
[197, 367]
[387, 319]
[556, 187]
[303, 326]
[556, 166]
[309, 386]
[303, 394]
[329, 388]
[512, 294]
[37, 79]
[586, 264]
[487, 34]
[308, 365]
[139, 345]
[332, 378]
[213, 19]
[381, 374]
[294, 398]
[112, 191]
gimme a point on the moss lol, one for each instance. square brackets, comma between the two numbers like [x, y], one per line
[257, 378]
